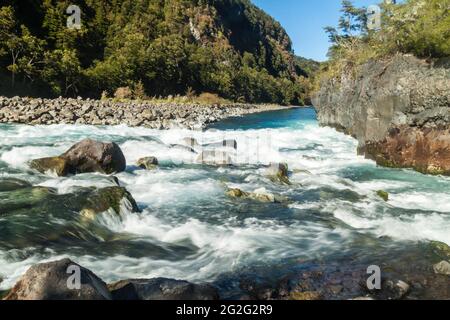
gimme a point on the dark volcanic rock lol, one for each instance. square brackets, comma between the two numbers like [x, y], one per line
[49, 281]
[162, 289]
[398, 109]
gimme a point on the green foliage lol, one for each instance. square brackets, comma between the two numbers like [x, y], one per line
[155, 47]
[416, 27]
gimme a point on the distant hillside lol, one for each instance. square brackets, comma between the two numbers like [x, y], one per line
[155, 47]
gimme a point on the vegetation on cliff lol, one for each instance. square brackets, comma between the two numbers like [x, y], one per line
[413, 27]
[155, 47]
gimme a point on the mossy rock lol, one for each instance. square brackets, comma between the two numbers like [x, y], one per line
[23, 198]
[441, 249]
[383, 195]
[55, 165]
[104, 199]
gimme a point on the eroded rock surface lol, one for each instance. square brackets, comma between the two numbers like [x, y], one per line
[397, 108]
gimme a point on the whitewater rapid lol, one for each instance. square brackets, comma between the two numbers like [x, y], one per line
[198, 232]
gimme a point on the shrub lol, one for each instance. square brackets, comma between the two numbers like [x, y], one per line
[123, 93]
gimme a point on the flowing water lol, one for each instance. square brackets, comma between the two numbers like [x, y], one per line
[190, 229]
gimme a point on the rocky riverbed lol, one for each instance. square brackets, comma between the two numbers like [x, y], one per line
[109, 112]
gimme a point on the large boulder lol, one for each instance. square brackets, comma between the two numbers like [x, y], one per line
[94, 156]
[53, 281]
[84, 157]
[162, 289]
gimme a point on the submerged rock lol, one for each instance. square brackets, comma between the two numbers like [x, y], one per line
[441, 249]
[162, 289]
[49, 281]
[12, 184]
[383, 195]
[24, 198]
[148, 163]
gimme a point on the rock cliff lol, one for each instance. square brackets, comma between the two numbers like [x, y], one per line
[398, 108]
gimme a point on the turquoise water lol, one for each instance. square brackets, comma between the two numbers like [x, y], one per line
[190, 229]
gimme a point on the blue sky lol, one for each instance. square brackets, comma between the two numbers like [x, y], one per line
[304, 21]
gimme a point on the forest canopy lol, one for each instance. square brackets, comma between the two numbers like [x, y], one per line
[163, 47]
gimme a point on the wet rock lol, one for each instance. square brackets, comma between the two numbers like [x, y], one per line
[148, 163]
[162, 289]
[12, 184]
[397, 108]
[305, 296]
[383, 195]
[442, 267]
[393, 289]
[25, 198]
[440, 249]
[215, 158]
[49, 281]
[260, 195]
[102, 200]
[53, 165]
[94, 156]
[278, 172]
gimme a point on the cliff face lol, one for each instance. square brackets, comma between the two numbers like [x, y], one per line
[398, 109]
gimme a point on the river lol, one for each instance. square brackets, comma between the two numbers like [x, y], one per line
[190, 229]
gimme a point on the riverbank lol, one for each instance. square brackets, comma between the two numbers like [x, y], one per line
[147, 114]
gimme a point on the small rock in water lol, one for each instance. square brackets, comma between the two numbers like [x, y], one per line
[148, 163]
[383, 195]
[442, 267]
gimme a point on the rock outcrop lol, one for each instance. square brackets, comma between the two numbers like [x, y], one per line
[397, 108]
[84, 157]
